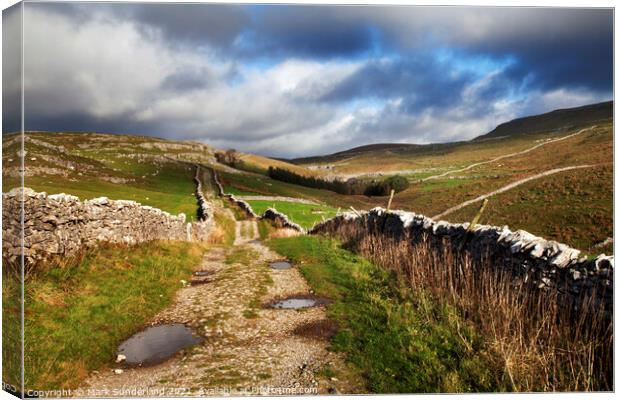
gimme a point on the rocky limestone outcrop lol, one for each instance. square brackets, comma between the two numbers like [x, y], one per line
[546, 264]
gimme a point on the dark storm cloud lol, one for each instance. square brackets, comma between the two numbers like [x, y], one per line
[195, 24]
[307, 31]
[416, 79]
[560, 47]
[216, 24]
[553, 47]
[11, 69]
[185, 79]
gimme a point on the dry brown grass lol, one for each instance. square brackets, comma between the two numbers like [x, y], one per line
[536, 341]
[217, 235]
[284, 233]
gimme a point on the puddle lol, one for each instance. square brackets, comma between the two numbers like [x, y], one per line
[321, 329]
[156, 344]
[298, 302]
[280, 265]
[201, 277]
[255, 241]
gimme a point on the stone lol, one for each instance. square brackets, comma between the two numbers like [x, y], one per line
[100, 201]
[61, 224]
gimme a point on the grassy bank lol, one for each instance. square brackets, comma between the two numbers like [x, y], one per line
[400, 340]
[78, 313]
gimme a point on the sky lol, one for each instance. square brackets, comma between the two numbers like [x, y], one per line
[299, 80]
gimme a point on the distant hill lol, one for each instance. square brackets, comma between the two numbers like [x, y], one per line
[356, 151]
[555, 120]
[561, 119]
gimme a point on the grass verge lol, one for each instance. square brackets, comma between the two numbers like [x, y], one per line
[77, 314]
[400, 340]
[11, 327]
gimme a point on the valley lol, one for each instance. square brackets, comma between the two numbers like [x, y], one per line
[556, 184]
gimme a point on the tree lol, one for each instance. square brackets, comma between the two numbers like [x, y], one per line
[397, 183]
[229, 157]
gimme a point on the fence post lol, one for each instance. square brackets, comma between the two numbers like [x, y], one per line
[390, 201]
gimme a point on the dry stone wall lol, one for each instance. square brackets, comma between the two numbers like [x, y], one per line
[61, 224]
[544, 263]
[279, 219]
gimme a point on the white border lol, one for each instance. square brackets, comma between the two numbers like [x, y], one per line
[508, 3]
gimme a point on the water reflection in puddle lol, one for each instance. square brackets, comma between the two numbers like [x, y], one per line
[280, 265]
[156, 344]
[298, 302]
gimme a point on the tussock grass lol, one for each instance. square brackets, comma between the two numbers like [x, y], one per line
[225, 229]
[535, 342]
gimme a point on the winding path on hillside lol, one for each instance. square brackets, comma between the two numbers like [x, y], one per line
[248, 348]
[511, 186]
[518, 153]
[468, 167]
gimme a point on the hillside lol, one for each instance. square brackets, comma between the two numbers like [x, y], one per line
[561, 119]
[443, 176]
[88, 165]
[546, 124]
[261, 164]
[154, 172]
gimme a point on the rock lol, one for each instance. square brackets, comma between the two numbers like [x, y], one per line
[99, 201]
[118, 371]
[564, 257]
[120, 358]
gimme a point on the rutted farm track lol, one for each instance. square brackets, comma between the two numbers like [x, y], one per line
[247, 346]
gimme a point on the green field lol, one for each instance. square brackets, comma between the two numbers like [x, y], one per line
[305, 215]
[255, 184]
